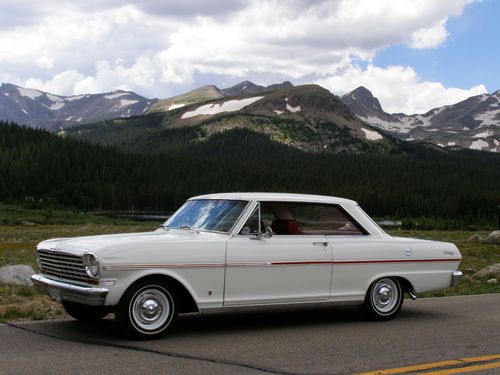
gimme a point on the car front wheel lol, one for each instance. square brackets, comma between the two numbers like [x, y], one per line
[384, 299]
[147, 310]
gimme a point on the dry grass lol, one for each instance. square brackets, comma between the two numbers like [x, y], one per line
[24, 303]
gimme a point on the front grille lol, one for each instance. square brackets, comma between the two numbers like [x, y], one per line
[63, 265]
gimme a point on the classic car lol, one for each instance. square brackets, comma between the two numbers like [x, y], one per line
[239, 251]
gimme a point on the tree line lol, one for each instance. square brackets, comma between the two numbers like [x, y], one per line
[40, 168]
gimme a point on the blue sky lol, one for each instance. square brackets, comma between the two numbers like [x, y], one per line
[414, 55]
[470, 55]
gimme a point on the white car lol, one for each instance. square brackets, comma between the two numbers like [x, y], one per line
[240, 251]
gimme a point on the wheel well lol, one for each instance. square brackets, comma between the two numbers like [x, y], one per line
[405, 284]
[186, 300]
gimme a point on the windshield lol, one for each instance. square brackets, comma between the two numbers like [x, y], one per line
[216, 215]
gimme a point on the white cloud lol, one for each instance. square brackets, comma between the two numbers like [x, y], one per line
[136, 77]
[398, 88]
[156, 48]
[430, 37]
[45, 62]
[60, 83]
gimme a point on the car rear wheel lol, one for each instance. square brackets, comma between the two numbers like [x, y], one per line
[147, 310]
[384, 299]
[85, 313]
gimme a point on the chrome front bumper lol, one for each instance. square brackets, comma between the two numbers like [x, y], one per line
[58, 291]
[455, 278]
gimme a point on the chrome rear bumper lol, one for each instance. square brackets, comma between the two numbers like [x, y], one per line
[58, 291]
[455, 278]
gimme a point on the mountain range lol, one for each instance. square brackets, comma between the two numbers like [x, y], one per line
[53, 112]
[307, 117]
[472, 123]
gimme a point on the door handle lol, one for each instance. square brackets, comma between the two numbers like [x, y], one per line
[320, 244]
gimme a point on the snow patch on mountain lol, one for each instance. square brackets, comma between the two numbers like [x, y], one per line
[175, 106]
[292, 109]
[215, 108]
[116, 95]
[482, 135]
[126, 102]
[56, 106]
[483, 98]
[372, 135]
[29, 93]
[73, 98]
[386, 125]
[479, 145]
[487, 118]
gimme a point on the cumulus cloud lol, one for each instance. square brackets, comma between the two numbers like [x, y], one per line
[156, 48]
[430, 37]
[398, 88]
[64, 82]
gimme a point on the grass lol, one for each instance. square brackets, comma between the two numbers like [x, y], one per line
[17, 246]
[18, 242]
[475, 256]
[17, 215]
[24, 303]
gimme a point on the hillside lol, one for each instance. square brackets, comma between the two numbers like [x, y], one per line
[307, 117]
[40, 109]
[41, 169]
[201, 94]
[473, 123]
[248, 88]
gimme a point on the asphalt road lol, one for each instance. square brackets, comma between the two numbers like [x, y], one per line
[328, 341]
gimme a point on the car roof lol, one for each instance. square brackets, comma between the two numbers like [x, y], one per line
[289, 197]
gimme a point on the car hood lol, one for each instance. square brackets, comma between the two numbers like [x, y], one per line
[99, 244]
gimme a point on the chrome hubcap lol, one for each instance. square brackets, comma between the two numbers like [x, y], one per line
[385, 295]
[150, 308]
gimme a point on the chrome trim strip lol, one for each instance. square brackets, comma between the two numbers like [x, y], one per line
[245, 215]
[276, 263]
[124, 267]
[305, 305]
[397, 260]
[88, 295]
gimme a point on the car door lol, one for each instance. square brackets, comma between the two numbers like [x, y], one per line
[292, 267]
[353, 250]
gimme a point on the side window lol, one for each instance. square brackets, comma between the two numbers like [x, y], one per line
[324, 219]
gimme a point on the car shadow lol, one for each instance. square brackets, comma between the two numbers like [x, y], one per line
[198, 325]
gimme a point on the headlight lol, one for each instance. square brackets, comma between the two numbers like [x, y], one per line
[91, 265]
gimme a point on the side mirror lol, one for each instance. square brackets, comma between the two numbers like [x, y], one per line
[268, 233]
